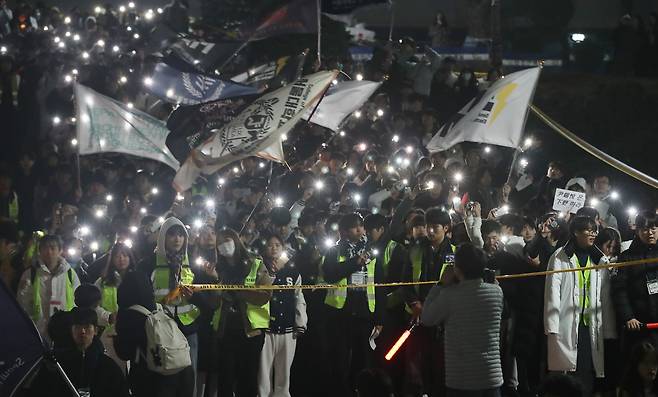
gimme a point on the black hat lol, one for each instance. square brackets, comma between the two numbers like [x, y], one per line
[418, 220]
[83, 316]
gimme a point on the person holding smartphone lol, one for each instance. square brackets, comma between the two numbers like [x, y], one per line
[470, 311]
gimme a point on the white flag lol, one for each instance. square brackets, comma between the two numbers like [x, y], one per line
[496, 116]
[341, 101]
[256, 131]
[106, 125]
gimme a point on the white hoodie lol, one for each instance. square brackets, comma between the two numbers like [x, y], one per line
[53, 292]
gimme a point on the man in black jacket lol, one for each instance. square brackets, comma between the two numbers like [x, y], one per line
[393, 257]
[635, 288]
[86, 365]
[427, 260]
[352, 312]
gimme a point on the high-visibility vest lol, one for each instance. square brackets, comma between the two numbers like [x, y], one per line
[37, 306]
[33, 246]
[109, 301]
[388, 253]
[258, 316]
[181, 307]
[13, 208]
[336, 297]
[417, 267]
[584, 285]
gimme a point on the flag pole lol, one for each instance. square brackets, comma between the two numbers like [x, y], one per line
[517, 150]
[77, 147]
[606, 158]
[260, 200]
[525, 121]
[392, 21]
[319, 16]
[235, 54]
[308, 121]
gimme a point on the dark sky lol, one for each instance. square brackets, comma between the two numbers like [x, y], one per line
[419, 13]
[588, 13]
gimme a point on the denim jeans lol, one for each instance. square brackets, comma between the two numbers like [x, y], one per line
[474, 393]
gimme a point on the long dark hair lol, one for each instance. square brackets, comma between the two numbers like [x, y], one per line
[631, 382]
[241, 256]
[608, 234]
[109, 275]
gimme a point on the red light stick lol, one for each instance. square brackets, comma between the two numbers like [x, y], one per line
[403, 338]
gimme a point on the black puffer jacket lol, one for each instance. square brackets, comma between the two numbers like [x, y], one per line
[91, 370]
[629, 285]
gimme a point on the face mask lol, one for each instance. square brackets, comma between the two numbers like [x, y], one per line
[226, 249]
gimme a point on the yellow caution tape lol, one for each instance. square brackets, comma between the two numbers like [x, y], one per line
[209, 287]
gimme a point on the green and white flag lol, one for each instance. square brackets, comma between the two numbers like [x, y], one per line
[106, 125]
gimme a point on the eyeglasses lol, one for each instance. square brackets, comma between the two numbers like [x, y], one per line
[590, 232]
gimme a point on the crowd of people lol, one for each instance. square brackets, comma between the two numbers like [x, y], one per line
[96, 248]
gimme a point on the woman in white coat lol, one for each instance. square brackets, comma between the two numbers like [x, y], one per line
[578, 312]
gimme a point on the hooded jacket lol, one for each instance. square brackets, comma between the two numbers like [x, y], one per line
[52, 291]
[161, 261]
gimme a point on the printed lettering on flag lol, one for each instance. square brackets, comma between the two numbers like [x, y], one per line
[257, 130]
[106, 125]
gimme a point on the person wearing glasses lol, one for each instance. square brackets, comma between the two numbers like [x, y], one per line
[635, 288]
[578, 313]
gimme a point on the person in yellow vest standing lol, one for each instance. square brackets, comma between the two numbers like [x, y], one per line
[428, 259]
[49, 285]
[172, 267]
[393, 257]
[241, 317]
[353, 314]
[120, 261]
[578, 310]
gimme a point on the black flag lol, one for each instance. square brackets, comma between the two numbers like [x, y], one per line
[192, 125]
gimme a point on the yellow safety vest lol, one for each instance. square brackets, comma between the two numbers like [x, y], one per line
[417, 267]
[33, 245]
[13, 209]
[388, 252]
[37, 307]
[109, 301]
[181, 307]
[258, 316]
[394, 298]
[583, 285]
[336, 297]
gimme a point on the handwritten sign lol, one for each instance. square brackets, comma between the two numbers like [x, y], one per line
[568, 201]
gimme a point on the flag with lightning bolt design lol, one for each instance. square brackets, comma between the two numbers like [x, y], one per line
[496, 116]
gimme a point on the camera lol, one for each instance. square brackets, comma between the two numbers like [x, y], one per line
[470, 206]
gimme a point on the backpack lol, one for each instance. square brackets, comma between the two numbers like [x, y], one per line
[167, 350]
